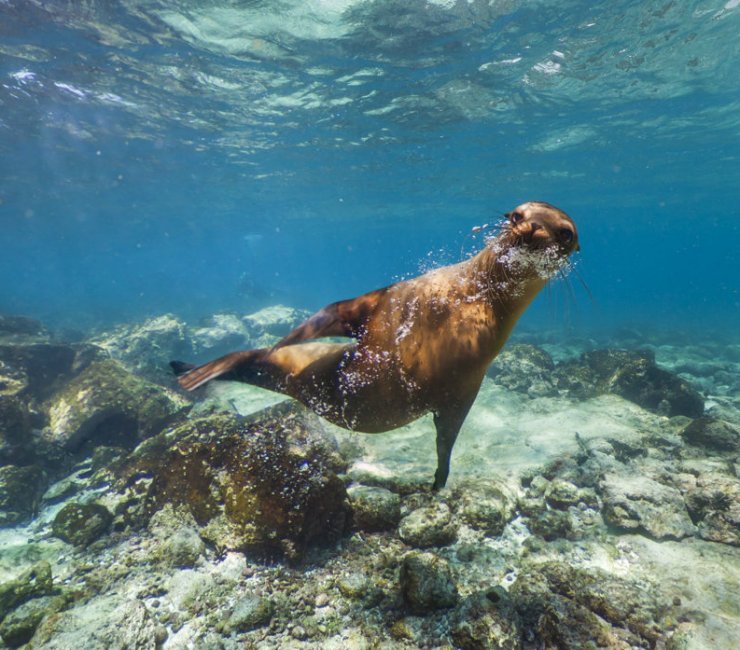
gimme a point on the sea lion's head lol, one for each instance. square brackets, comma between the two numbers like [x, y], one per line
[540, 226]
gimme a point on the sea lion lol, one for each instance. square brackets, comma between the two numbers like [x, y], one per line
[420, 345]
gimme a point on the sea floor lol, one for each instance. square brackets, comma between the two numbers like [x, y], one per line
[578, 514]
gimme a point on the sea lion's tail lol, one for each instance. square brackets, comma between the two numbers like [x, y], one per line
[229, 366]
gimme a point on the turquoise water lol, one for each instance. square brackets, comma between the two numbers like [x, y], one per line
[188, 157]
[183, 178]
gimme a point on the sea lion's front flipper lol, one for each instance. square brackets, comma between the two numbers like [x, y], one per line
[343, 318]
[448, 422]
[230, 366]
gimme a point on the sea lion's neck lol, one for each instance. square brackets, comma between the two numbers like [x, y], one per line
[508, 283]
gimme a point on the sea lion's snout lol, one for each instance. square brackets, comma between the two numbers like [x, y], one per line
[541, 226]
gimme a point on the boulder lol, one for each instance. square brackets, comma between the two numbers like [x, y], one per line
[107, 405]
[486, 620]
[104, 623]
[15, 431]
[632, 375]
[484, 505]
[713, 434]
[80, 524]
[374, 509]
[640, 504]
[526, 369]
[147, 348]
[266, 485]
[15, 330]
[220, 334]
[569, 608]
[714, 505]
[35, 371]
[426, 582]
[270, 324]
[427, 526]
[21, 489]
[32, 583]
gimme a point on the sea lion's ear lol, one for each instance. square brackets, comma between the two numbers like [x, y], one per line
[343, 318]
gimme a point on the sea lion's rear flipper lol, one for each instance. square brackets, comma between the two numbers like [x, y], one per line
[236, 365]
[343, 318]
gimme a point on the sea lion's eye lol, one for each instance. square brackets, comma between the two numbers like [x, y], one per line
[566, 235]
[515, 217]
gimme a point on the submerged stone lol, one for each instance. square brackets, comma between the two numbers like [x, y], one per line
[268, 486]
[34, 582]
[220, 334]
[15, 431]
[634, 376]
[427, 526]
[640, 504]
[484, 505]
[486, 620]
[107, 405]
[712, 433]
[526, 369]
[147, 348]
[104, 623]
[21, 489]
[374, 509]
[80, 524]
[570, 609]
[249, 612]
[714, 504]
[426, 582]
[20, 625]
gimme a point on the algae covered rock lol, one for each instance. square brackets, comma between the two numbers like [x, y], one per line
[486, 620]
[268, 486]
[270, 324]
[714, 504]
[713, 434]
[249, 612]
[21, 489]
[220, 333]
[641, 504]
[426, 582]
[15, 330]
[484, 505]
[374, 509]
[107, 405]
[20, 625]
[147, 348]
[104, 623]
[525, 368]
[656, 390]
[430, 525]
[80, 524]
[569, 608]
[15, 431]
[632, 375]
[32, 583]
[35, 370]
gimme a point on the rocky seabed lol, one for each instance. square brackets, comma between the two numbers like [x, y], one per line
[594, 501]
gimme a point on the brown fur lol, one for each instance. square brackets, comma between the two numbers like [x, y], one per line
[421, 345]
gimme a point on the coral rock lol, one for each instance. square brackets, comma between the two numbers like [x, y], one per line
[427, 583]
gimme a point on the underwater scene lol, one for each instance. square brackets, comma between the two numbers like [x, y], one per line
[369, 324]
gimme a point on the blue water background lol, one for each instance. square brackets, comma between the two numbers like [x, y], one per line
[192, 157]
